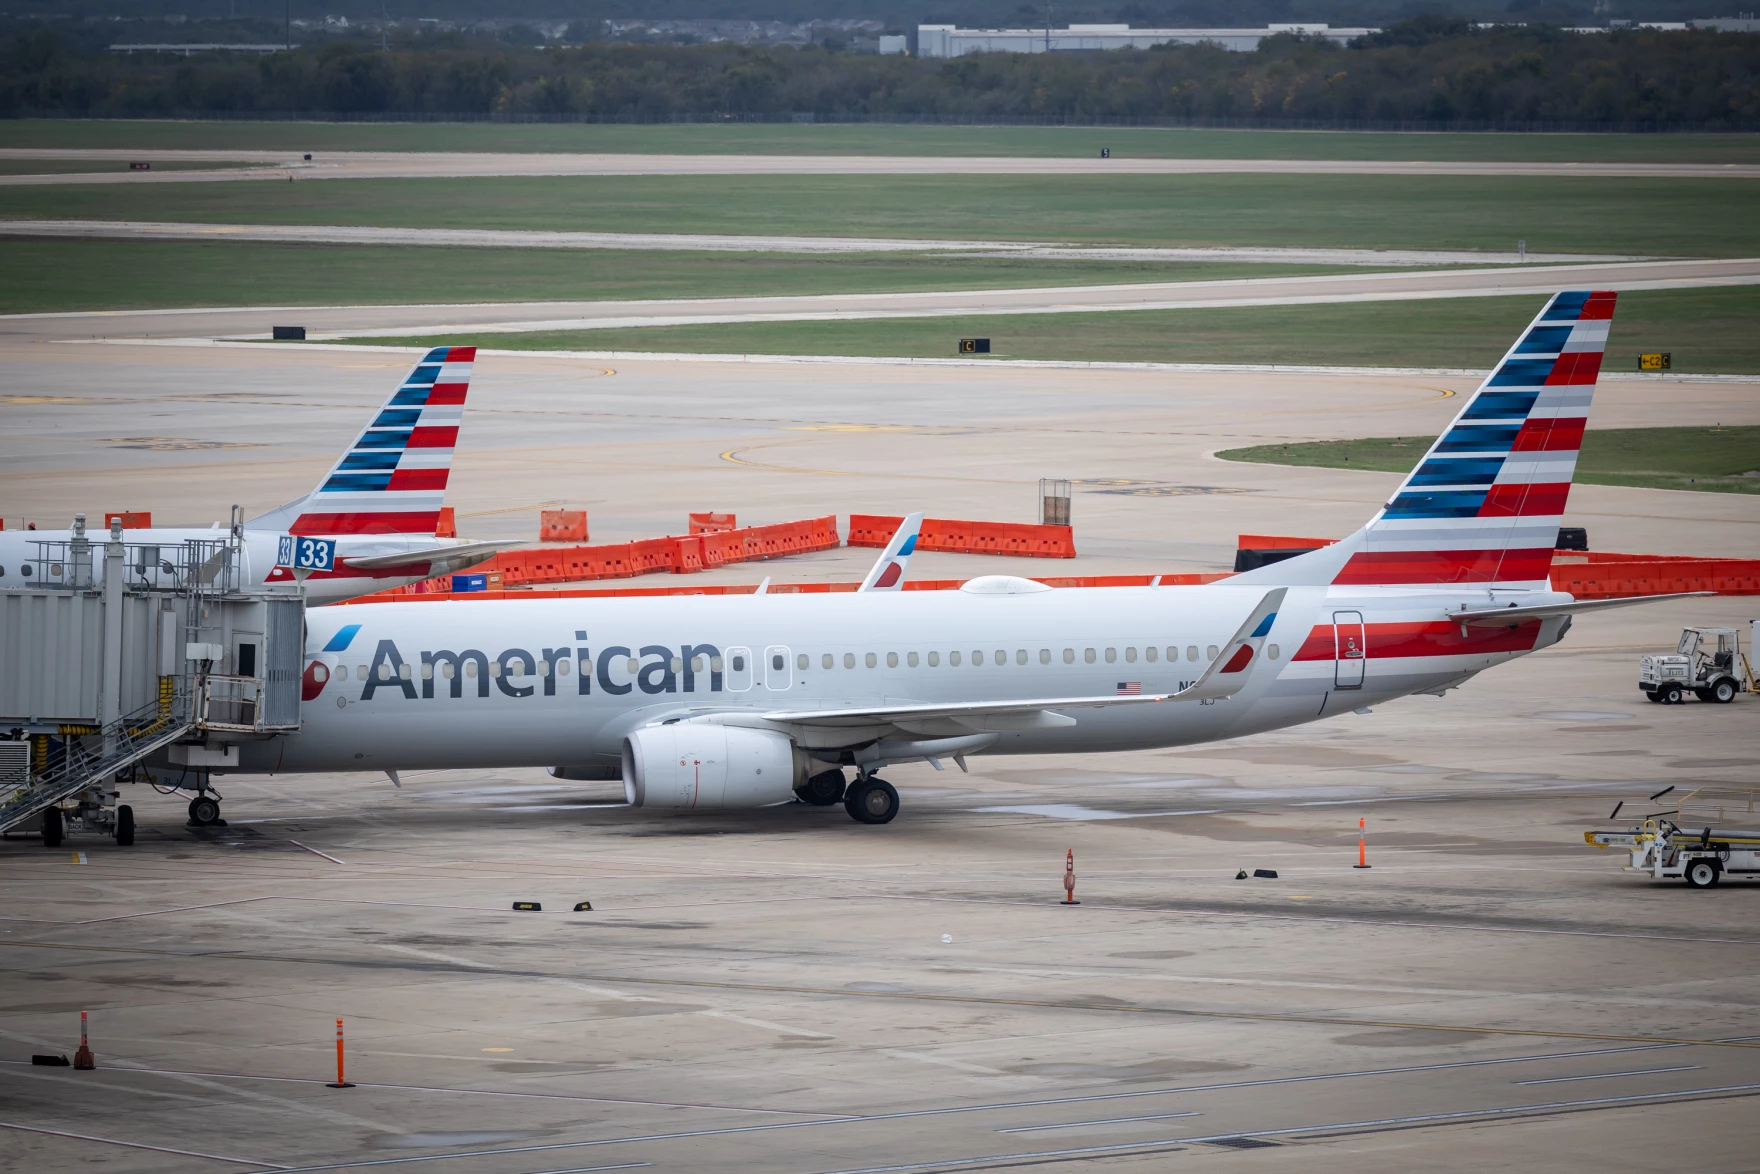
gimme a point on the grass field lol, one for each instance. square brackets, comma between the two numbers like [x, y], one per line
[44, 276]
[1724, 460]
[784, 139]
[39, 166]
[1707, 331]
[1633, 216]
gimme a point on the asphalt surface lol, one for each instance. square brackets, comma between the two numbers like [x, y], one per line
[279, 166]
[495, 238]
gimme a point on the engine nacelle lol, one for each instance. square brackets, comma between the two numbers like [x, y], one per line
[703, 766]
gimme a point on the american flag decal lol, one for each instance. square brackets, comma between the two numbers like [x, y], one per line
[1130, 688]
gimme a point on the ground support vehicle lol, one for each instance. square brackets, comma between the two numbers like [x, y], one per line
[1708, 662]
[1698, 843]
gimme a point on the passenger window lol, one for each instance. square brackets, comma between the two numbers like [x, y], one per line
[361, 672]
[977, 656]
[27, 570]
[1069, 656]
[777, 663]
[870, 661]
[448, 669]
[739, 664]
[1088, 655]
[714, 665]
[2, 572]
[802, 662]
[1111, 655]
[1191, 652]
[495, 668]
[910, 658]
[849, 660]
[1020, 656]
[696, 665]
[470, 667]
[1149, 655]
[1172, 653]
[403, 672]
[1130, 656]
[953, 659]
[1001, 656]
[935, 659]
[1210, 653]
[632, 665]
[1044, 656]
[563, 667]
[827, 660]
[676, 664]
[1271, 650]
[892, 660]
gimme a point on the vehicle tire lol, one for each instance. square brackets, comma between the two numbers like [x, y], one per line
[1722, 691]
[871, 800]
[1670, 694]
[124, 826]
[1653, 695]
[52, 827]
[203, 811]
[1701, 873]
[823, 789]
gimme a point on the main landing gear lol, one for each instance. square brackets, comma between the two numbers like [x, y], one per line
[871, 799]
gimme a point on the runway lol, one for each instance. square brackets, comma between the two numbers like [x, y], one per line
[491, 238]
[511, 317]
[280, 165]
[785, 990]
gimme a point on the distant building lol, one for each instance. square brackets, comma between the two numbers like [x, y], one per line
[186, 50]
[1728, 24]
[944, 40]
[892, 45]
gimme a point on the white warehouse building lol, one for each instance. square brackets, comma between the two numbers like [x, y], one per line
[944, 40]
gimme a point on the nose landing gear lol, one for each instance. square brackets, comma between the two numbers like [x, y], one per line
[204, 811]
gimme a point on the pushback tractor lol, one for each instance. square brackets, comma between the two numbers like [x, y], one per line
[1708, 663]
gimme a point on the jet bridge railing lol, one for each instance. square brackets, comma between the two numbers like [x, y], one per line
[79, 762]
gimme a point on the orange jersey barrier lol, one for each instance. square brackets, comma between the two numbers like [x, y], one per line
[130, 519]
[1280, 542]
[562, 526]
[1613, 576]
[1021, 539]
[710, 522]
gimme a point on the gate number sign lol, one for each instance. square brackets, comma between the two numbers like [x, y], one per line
[306, 554]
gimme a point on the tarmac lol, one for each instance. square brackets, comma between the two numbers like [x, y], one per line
[283, 165]
[786, 990]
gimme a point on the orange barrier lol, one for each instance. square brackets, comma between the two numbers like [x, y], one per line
[1021, 539]
[1180, 580]
[562, 526]
[709, 523]
[1280, 542]
[447, 526]
[1624, 576]
[130, 520]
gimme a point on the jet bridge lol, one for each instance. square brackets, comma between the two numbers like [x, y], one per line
[122, 650]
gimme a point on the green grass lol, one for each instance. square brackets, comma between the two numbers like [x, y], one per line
[875, 140]
[1707, 331]
[43, 276]
[1712, 218]
[1724, 460]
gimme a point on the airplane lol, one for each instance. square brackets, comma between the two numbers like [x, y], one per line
[738, 701]
[380, 503]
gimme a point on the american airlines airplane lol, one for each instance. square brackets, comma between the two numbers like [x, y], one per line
[380, 504]
[707, 702]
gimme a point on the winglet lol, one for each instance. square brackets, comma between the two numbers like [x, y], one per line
[887, 573]
[1228, 674]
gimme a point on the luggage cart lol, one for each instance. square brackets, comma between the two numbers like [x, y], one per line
[1713, 833]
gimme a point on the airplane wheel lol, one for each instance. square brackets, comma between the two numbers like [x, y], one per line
[52, 827]
[1722, 691]
[823, 789]
[124, 826]
[1702, 874]
[203, 811]
[871, 800]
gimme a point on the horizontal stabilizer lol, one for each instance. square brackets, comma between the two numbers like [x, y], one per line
[1490, 617]
[467, 554]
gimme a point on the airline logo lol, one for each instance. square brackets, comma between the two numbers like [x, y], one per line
[393, 480]
[1485, 503]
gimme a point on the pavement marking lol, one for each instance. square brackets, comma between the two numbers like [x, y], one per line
[136, 1145]
[1102, 1121]
[1611, 1075]
[315, 852]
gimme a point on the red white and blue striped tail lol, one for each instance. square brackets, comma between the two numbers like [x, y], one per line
[1485, 503]
[392, 480]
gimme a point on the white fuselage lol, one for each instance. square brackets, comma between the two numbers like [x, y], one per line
[37, 557]
[563, 681]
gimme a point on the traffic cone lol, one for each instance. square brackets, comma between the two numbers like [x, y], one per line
[83, 1059]
[340, 1082]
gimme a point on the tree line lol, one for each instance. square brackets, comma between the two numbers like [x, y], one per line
[1428, 70]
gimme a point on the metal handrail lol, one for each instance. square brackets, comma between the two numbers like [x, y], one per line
[130, 738]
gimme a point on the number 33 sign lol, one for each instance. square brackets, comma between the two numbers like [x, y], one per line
[306, 554]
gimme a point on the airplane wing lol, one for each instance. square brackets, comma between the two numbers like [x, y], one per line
[887, 574]
[1491, 617]
[466, 554]
[1225, 677]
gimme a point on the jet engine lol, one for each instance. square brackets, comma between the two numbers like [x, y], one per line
[704, 766]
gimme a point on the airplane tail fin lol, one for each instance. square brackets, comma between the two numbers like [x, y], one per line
[392, 479]
[887, 574]
[1483, 506]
